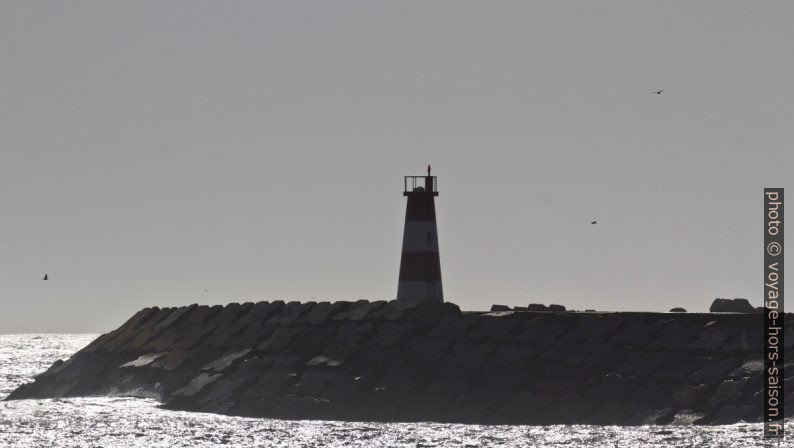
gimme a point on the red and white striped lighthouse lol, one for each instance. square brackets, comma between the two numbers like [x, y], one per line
[420, 266]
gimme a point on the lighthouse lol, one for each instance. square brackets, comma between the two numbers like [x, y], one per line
[420, 265]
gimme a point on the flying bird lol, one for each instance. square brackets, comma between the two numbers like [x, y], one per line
[658, 92]
[45, 277]
[594, 222]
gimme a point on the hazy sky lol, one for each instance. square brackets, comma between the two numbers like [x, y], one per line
[152, 150]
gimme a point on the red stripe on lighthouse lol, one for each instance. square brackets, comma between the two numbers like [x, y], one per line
[421, 207]
[420, 266]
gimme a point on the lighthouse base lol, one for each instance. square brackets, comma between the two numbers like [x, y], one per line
[415, 291]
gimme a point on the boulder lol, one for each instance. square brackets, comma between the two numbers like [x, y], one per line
[173, 317]
[350, 333]
[498, 326]
[732, 414]
[470, 356]
[399, 376]
[540, 307]
[426, 315]
[424, 350]
[251, 335]
[218, 395]
[608, 357]
[373, 357]
[290, 312]
[391, 334]
[596, 328]
[197, 384]
[753, 366]
[270, 383]
[714, 371]
[616, 388]
[312, 382]
[451, 380]
[360, 309]
[686, 417]
[346, 387]
[454, 325]
[280, 339]
[608, 413]
[249, 368]
[336, 354]
[226, 360]
[678, 310]
[709, 340]
[646, 363]
[731, 306]
[637, 333]
[500, 308]
[323, 360]
[143, 360]
[728, 392]
[318, 314]
[511, 357]
[678, 367]
[557, 378]
[673, 336]
[311, 338]
[541, 333]
[174, 359]
[498, 383]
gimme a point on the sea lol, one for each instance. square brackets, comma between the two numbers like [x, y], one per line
[125, 422]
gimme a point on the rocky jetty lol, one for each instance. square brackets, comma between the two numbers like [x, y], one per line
[732, 306]
[388, 361]
[530, 307]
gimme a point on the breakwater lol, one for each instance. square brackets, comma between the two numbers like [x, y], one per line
[390, 361]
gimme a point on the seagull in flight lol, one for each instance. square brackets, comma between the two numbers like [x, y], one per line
[45, 277]
[658, 92]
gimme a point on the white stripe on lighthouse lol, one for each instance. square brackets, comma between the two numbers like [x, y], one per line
[420, 236]
[418, 291]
